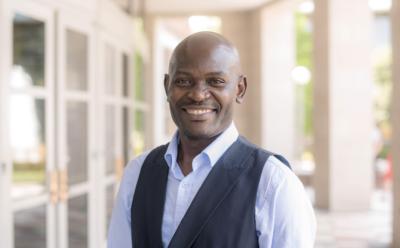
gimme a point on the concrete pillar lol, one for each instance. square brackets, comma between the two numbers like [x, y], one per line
[6, 238]
[267, 54]
[240, 28]
[396, 121]
[277, 89]
[343, 120]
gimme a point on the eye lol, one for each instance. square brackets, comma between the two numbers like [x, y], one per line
[216, 82]
[182, 82]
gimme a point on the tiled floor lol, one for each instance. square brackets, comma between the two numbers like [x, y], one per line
[369, 229]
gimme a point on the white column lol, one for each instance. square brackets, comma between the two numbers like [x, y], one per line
[396, 121]
[343, 119]
[5, 167]
[277, 89]
[241, 28]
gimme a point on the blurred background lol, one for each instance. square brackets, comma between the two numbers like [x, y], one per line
[81, 94]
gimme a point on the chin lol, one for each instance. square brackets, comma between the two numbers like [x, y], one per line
[200, 135]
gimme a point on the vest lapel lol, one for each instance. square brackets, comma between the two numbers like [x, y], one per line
[148, 204]
[156, 198]
[221, 180]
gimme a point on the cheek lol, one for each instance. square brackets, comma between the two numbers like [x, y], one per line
[226, 100]
[174, 95]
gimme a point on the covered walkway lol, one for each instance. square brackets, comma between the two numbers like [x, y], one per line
[81, 93]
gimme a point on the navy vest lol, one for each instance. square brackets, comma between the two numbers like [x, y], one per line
[220, 215]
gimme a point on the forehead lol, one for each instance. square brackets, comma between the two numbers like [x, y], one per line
[203, 57]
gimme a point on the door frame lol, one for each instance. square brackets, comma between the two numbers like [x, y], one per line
[5, 164]
[69, 20]
[118, 102]
[45, 14]
[99, 27]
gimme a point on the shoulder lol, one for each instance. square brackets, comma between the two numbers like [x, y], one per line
[134, 166]
[130, 178]
[282, 198]
[260, 152]
[274, 176]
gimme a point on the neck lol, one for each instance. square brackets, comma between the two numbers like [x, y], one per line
[188, 149]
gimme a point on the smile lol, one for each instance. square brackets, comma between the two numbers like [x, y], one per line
[198, 111]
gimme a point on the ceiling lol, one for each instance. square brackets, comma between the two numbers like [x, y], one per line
[191, 6]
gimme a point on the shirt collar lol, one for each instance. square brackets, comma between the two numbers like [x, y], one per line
[213, 151]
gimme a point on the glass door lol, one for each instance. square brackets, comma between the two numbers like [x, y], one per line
[30, 117]
[111, 148]
[75, 128]
[115, 121]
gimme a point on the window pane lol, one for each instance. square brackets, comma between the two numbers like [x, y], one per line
[109, 70]
[109, 145]
[28, 52]
[30, 228]
[139, 132]
[109, 204]
[77, 61]
[78, 222]
[28, 145]
[139, 82]
[77, 142]
[125, 75]
[126, 144]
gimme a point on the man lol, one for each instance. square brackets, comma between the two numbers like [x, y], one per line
[209, 187]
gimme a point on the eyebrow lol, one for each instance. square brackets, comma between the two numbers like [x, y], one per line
[183, 72]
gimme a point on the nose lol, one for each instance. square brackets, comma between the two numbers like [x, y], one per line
[199, 92]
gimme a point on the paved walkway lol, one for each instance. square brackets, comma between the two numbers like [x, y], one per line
[369, 229]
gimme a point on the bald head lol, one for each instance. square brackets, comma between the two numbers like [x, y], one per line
[204, 44]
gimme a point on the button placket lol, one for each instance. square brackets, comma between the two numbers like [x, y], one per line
[180, 203]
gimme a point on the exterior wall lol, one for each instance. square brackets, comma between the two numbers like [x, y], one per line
[342, 91]
[396, 121]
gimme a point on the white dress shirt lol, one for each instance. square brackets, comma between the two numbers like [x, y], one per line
[283, 213]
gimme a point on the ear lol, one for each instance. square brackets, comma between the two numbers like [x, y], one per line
[241, 87]
[166, 80]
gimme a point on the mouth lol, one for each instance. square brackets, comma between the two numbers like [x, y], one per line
[199, 113]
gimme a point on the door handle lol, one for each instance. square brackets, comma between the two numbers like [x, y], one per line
[119, 168]
[63, 174]
[54, 187]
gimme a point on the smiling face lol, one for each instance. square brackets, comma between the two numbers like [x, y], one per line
[203, 83]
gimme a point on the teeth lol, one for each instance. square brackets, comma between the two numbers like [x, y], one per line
[198, 111]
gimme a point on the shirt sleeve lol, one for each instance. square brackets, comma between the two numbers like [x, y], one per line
[284, 214]
[119, 232]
